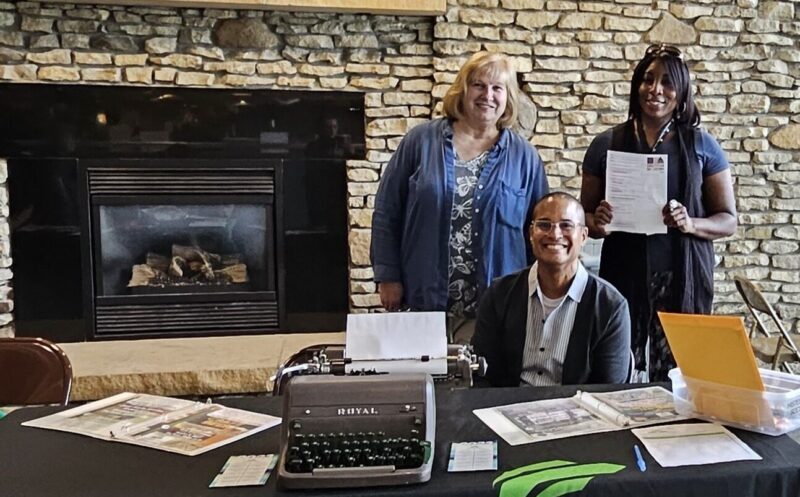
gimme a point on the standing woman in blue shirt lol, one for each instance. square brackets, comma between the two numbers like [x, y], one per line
[672, 271]
[452, 204]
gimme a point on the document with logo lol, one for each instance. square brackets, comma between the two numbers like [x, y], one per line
[636, 187]
[164, 423]
[581, 414]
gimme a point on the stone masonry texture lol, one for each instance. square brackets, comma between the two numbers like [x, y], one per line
[575, 60]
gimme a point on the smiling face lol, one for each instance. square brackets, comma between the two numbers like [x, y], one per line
[558, 232]
[485, 101]
[658, 97]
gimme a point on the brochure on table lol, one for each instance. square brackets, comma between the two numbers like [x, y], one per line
[581, 414]
[175, 425]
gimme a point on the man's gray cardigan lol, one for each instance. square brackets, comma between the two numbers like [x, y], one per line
[599, 344]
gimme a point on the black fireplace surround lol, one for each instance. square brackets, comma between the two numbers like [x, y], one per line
[159, 212]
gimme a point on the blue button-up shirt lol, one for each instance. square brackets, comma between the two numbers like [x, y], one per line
[411, 222]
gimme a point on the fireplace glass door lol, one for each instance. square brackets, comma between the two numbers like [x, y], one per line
[167, 248]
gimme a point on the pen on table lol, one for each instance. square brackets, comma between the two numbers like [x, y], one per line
[639, 458]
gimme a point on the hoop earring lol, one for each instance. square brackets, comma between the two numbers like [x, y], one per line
[680, 113]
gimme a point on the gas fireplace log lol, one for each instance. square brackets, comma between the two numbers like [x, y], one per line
[196, 254]
[157, 261]
[230, 259]
[236, 273]
[142, 275]
[177, 266]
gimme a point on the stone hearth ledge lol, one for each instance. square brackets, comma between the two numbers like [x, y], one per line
[183, 366]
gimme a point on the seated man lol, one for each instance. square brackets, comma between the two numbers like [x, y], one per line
[554, 323]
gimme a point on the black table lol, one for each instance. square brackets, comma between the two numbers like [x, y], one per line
[45, 463]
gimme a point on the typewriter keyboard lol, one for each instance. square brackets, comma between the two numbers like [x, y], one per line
[311, 451]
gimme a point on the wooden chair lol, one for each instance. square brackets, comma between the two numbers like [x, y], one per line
[33, 371]
[773, 343]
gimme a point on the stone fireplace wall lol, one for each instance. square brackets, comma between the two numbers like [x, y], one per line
[575, 58]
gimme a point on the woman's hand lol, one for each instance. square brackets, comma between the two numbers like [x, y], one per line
[598, 212]
[676, 216]
[603, 216]
[391, 293]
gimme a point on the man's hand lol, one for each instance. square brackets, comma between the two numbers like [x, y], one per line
[391, 293]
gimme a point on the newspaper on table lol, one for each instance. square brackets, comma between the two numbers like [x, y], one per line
[582, 414]
[175, 425]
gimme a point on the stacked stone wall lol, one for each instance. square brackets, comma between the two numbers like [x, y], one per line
[575, 59]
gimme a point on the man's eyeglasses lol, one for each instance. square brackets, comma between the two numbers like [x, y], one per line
[663, 49]
[543, 226]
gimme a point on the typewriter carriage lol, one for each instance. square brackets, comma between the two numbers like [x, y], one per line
[328, 359]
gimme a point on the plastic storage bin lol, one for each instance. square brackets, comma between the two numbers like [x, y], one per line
[774, 411]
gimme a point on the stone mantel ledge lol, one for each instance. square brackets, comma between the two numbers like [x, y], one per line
[184, 366]
[401, 7]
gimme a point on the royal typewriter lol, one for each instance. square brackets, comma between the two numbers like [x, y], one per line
[357, 431]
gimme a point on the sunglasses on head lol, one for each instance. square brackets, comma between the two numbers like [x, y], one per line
[662, 49]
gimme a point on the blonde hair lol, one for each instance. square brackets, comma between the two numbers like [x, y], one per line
[495, 66]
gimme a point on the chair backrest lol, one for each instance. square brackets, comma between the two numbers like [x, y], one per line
[751, 294]
[756, 303]
[33, 371]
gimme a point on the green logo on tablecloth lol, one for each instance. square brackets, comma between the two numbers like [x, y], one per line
[554, 478]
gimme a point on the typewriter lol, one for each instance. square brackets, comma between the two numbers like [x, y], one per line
[329, 359]
[357, 431]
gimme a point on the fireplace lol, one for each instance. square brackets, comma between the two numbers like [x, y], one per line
[237, 226]
[183, 247]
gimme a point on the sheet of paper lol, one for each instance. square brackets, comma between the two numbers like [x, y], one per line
[473, 456]
[397, 341]
[692, 444]
[636, 186]
[242, 471]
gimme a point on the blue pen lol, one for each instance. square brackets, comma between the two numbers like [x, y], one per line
[639, 458]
